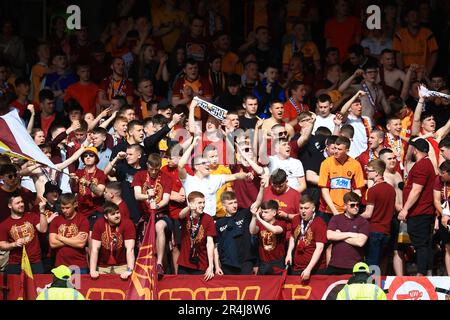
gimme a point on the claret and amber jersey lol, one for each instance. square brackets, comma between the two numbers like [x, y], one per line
[340, 179]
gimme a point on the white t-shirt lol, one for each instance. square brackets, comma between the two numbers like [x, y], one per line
[360, 138]
[208, 186]
[293, 168]
[324, 122]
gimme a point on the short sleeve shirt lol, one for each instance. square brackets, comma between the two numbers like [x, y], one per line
[382, 197]
[162, 185]
[24, 228]
[112, 251]
[208, 186]
[344, 255]
[68, 255]
[422, 173]
[271, 246]
[206, 229]
[306, 243]
[293, 168]
[88, 202]
[340, 179]
[415, 49]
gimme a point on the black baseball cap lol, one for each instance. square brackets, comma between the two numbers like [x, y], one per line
[164, 105]
[420, 144]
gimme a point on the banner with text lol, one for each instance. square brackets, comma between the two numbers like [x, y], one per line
[182, 287]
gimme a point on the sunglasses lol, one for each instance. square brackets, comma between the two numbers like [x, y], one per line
[12, 176]
[91, 155]
[353, 205]
[282, 134]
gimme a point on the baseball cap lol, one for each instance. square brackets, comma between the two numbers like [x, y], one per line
[62, 272]
[164, 104]
[361, 267]
[420, 144]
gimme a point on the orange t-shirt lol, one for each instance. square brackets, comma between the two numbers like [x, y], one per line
[37, 74]
[340, 179]
[231, 64]
[201, 87]
[407, 124]
[343, 34]
[309, 51]
[416, 49]
[86, 95]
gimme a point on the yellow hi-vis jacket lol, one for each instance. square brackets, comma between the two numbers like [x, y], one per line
[60, 294]
[361, 291]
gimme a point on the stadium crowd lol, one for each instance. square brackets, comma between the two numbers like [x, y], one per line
[328, 155]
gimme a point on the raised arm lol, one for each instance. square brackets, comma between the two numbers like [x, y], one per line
[415, 128]
[185, 158]
[30, 125]
[258, 169]
[268, 226]
[347, 83]
[193, 129]
[306, 132]
[346, 106]
[76, 155]
[407, 82]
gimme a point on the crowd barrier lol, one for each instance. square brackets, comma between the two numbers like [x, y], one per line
[181, 287]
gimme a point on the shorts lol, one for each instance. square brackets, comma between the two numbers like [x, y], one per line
[443, 234]
[4, 257]
[113, 269]
[176, 231]
[169, 224]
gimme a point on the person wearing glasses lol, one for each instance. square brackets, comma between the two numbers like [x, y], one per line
[202, 180]
[11, 185]
[89, 184]
[348, 233]
[379, 211]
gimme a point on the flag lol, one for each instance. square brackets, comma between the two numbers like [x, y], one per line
[26, 277]
[16, 141]
[216, 111]
[144, 277]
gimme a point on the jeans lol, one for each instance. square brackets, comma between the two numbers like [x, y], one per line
[36, 268]
[376, 246]
[420, 229]
[326, 217]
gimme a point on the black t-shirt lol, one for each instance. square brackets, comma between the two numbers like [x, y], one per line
[234, 239]
[125, 174]
[311, 155]
[246, 123]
